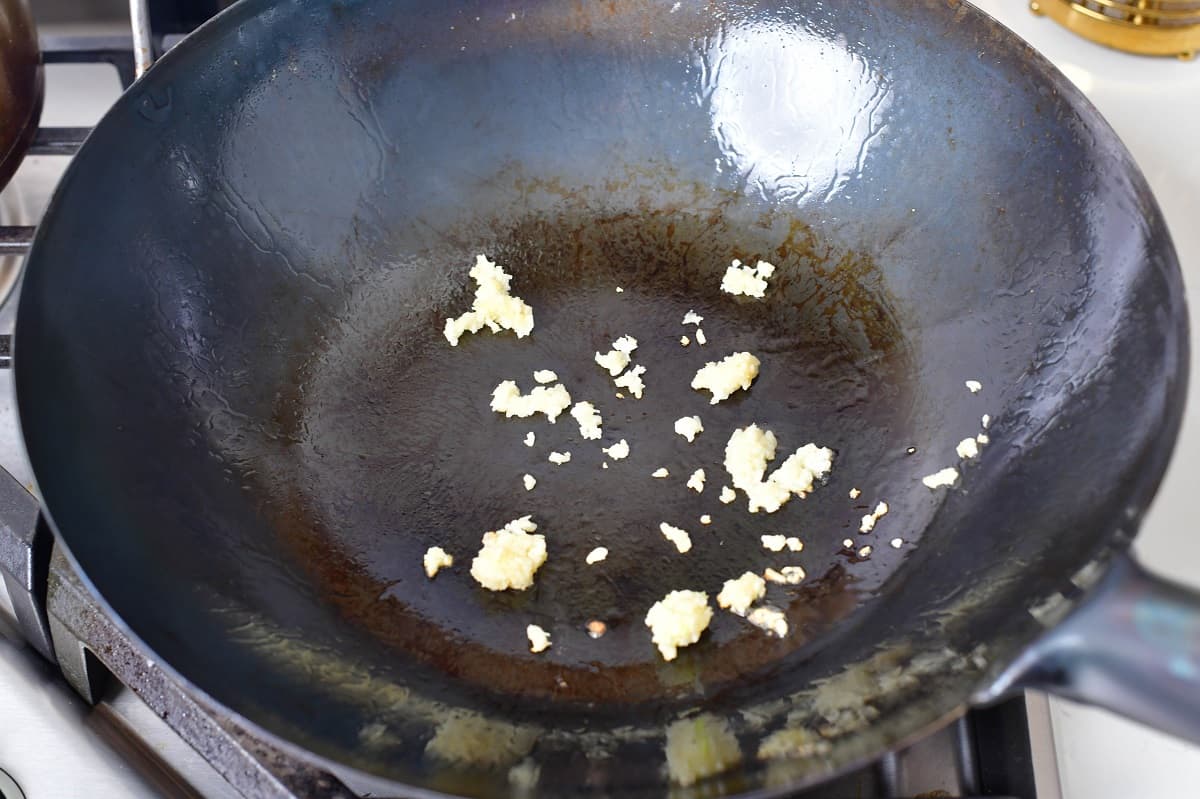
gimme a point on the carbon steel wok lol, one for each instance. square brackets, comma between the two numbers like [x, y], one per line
[247, 427]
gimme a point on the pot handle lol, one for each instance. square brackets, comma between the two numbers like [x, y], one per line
[1132, 647]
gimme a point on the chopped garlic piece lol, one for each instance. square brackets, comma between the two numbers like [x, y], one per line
[678, 537]
[769, 619]
[545, 376]
[726, 376]
[435, 560]
[632, 381]
[620, 290]
[794, 544]
[559, 458]
[618, 451]
[530, 438]
[625, 344]
[793, 574]
[945, 477]
[897, 543]
[596, 555]
[705, 519]
[750, 282]
[684, 341]
[493, 305]
[508, 400]
[865, 552]
[775, 543]
[589, 420]
[982, 439]
[614, 361]
[510, 556]
[696, 481]
[868, 521]
[746, 456]
[985, 420]
[967, 448]
[738, 595]
[847, 543]
[530, 481]
[539, 639]
[727, 495]
[692, 318]
[689, 427]
[661, 471]
[699, 747]
[788, 575]
[701, 339]
[974, 386]
[855, 493]
[678, 620]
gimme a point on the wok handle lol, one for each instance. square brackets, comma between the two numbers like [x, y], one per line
[1132, 647]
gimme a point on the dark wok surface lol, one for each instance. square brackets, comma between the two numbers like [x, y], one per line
[253, 428]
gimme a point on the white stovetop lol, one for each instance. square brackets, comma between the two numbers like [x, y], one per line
[1154, 104]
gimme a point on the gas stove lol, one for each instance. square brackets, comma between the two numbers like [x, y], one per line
[87, 713]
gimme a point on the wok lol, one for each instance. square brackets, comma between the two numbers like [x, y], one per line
[247, 428]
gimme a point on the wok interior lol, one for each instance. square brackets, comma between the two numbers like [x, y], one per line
[274, 429]
[387, 446]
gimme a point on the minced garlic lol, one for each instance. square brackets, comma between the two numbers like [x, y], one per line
[508, 400]
[660, 472]
[689, 427]
[967, 448]
[945, 477]
[788, 575]
[530, 438]
[794, 544]
[726, 376]
[435, 560]
[746, 456]
[618, 451]
[559, 458]
[545, 376]
[510, 556]
[632, 381]
[727, 495]
[746, 280]
[530, 481]
[769, 619]
[738, 595]
[705, 519]
[774, 543]
[677, 536]
[678, 620]
[616, 359]
[589, 420]
[692, 318]
[701, 339]
[696, 481]
[974, 386]
[539, 639]
[493, 305]
[596, 555]
[868, 521]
